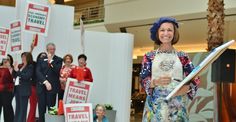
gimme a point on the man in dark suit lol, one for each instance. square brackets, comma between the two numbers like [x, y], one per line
[48, 85]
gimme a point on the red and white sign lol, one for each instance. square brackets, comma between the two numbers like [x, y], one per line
[77, 92]
[4, 36]
[37, 18]
[78, 112]
[16, 42]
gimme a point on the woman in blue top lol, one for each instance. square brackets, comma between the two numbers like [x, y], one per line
[100, 112]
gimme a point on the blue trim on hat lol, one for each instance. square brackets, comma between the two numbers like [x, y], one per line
[157, 24]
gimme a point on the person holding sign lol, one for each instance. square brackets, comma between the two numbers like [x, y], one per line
[33, 100]
[48, 84]
[65, 73]
[162, 70]
[6, 89]
[23, 74]
[81, 72]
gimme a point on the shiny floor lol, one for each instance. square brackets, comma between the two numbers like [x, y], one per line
[136, 118]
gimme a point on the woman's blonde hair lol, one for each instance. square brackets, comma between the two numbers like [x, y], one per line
[101, 105]
[68, 55]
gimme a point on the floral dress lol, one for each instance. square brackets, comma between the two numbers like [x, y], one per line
[65, 72]
[176, 65]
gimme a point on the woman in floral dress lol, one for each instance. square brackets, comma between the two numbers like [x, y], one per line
[162, 70]
[65, 72]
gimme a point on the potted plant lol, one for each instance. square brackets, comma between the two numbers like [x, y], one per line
[110, 113]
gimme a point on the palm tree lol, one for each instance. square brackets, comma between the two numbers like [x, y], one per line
[215, 38]
[215, 19]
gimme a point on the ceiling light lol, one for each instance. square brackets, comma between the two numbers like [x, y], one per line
[135, 57]
[53, 1]
[67, 0]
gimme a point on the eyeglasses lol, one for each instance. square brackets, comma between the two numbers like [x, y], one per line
[6, 59]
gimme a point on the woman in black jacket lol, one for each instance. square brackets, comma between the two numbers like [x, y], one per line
[22, 74]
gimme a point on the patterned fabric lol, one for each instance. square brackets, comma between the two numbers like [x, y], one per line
[154, 109]
[65, 72]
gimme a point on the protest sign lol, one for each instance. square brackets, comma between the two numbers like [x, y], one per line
[78, 112]
[16, 42]
[77, 92]
[37, 18]
[4, 37]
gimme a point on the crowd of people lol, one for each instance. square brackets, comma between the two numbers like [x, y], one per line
[38, 82]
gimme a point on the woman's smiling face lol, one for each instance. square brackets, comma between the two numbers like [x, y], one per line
[100, 112]
[166, 33]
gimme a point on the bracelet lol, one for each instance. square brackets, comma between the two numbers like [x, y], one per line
[44, 82]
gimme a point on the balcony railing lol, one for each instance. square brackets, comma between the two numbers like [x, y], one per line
[8, 2]
[89, 15]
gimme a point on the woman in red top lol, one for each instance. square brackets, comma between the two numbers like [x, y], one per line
[65, 73]
[81, 72]
[6, 89]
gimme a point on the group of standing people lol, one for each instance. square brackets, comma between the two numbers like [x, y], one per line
[162, 70]
[38, 82]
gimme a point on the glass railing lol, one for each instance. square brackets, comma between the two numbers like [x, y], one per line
[90, 15]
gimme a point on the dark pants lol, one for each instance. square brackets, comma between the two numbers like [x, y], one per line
[21, 106]
[45, 100]
[6, 102]
[61, 95]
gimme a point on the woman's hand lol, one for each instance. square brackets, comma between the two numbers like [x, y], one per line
[162, 81]
[63, 80]
[49, 57]
[15, 65]
[31, 47]
[182, 91]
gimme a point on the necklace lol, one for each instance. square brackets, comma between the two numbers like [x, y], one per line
[166, 51]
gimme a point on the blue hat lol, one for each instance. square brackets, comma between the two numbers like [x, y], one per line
[158, 23]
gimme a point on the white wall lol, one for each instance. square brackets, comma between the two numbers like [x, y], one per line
[133, 10]
[8, 13]
[109, 56]
[99, 27]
